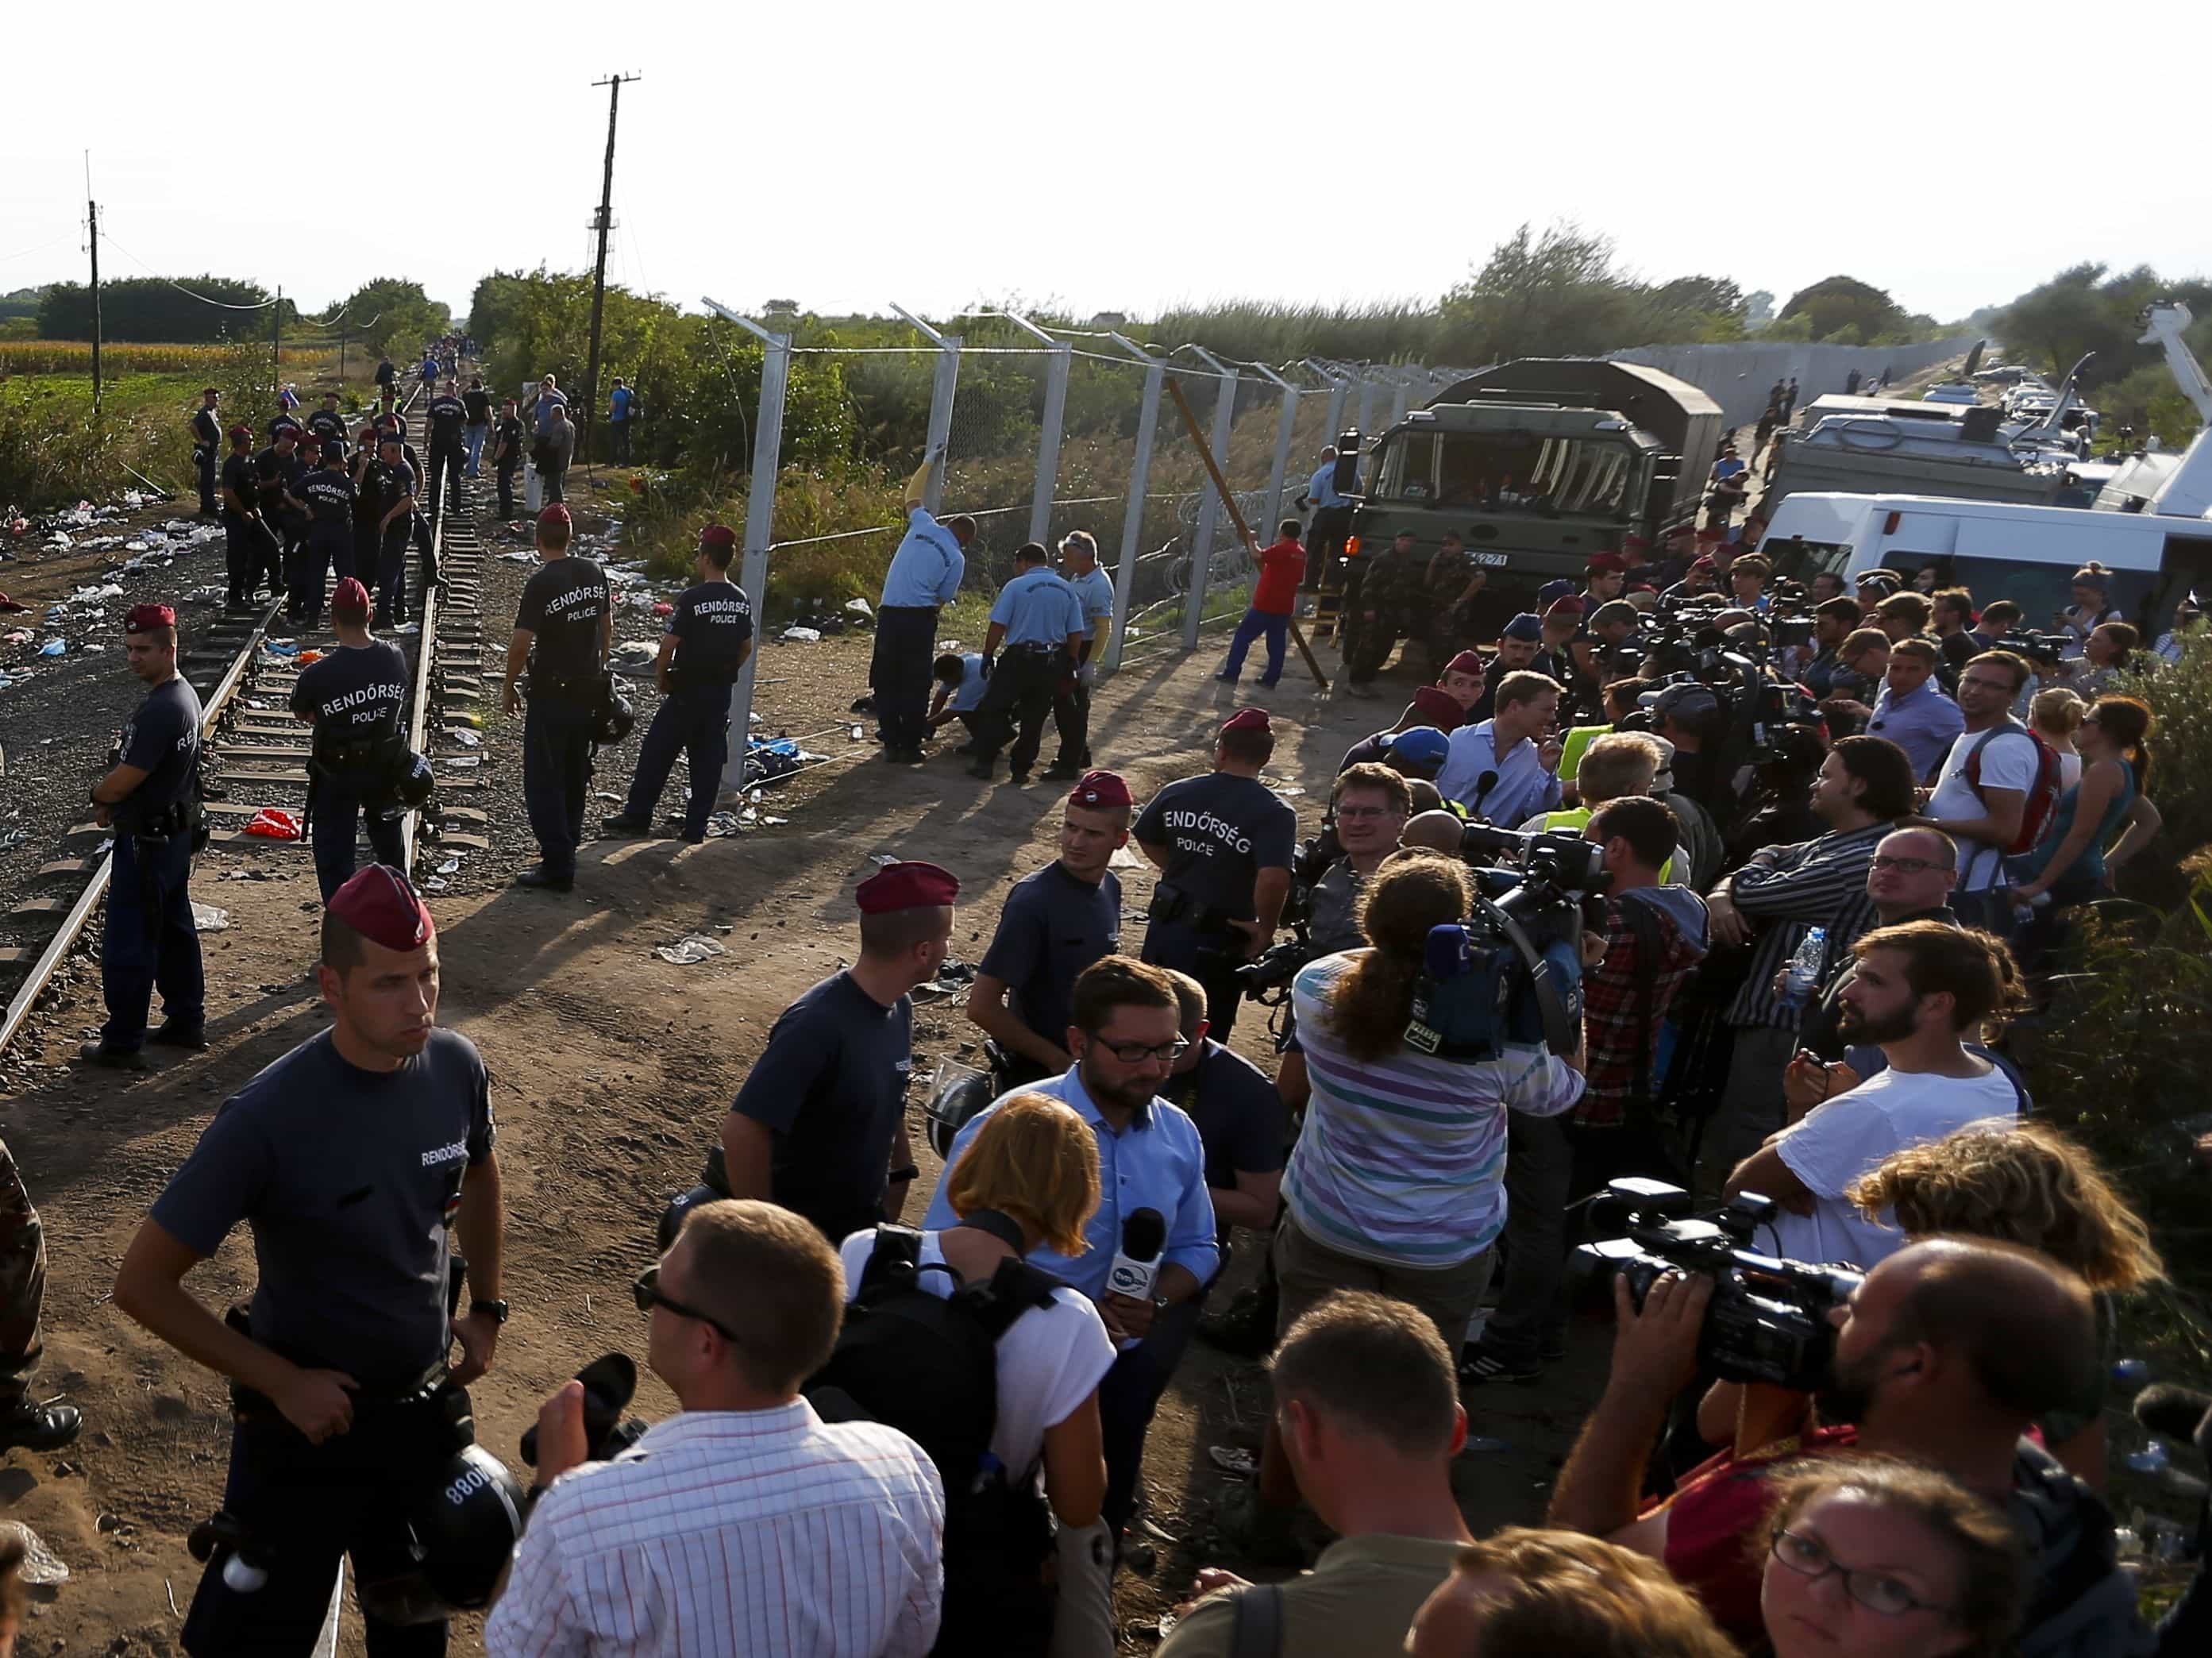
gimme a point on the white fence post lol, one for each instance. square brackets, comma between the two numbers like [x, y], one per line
[1401, 396]
[1209, 503]
[1367, 390]
[1055, 412]
[1337, 383]
[1285, 427]
[1133, 516]
[941, 393]
[760, 526]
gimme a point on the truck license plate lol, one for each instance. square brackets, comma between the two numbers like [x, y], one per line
[1491, 561]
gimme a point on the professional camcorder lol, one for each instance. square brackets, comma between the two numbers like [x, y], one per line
[1768, 1319]
[2035, 647]
[1511, 973]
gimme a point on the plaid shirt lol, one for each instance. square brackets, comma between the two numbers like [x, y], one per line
[1618, 1043]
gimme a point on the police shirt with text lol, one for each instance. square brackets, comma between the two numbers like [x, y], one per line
[163, 741]
[448, 415]
[357, 691]
[565, 605]
[350, 1180]
[831, 1087]
[327, 423]
[281, 422]
[1221, 830]
[713, 624]
[329, 492]
[1053, 926]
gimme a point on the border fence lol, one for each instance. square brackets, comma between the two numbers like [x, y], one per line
[1043, 432]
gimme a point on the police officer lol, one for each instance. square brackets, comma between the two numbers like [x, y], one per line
[418, 520]
[326, 496]
[1070, 705]
[1223, 844]
[22, 1297]
[151, 800]
[283, 420]
[395, 518]
[709, 636]
[353, 698]
[207, 438]
[328, 424]
[449, 422]
[819, 1125]
[1056, 923]
[357, 1159]
[562, 631]
[387, 378]
[1039, 621]
[478, 402]
[276, 469]
[506, 457]
[924, 577]
[243, 531]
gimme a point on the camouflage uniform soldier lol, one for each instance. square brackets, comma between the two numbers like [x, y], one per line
[1388, 601]
[23, 1293]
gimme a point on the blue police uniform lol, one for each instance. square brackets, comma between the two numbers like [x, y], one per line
[1053, 926]
[449, 420]
[565, 605]
[327, 424]
[329, 492]
[1220, 831]
[395, 484]
[150, 939]
[273, 475]
[924, 577]
[1071, 704]
[712, 625]
[1038, 611]
[354, 697]
[243, 535]
[206, 439]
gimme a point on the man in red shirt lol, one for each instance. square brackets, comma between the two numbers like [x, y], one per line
[1274, 601]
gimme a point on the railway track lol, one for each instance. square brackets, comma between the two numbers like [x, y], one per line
[259, 754]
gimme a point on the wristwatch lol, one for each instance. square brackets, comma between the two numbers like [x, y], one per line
[496, 1310]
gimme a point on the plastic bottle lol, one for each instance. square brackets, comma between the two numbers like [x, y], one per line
[1803, 975]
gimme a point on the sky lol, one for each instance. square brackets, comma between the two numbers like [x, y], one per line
[1127, 157]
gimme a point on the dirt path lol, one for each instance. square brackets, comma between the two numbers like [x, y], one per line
[610, 1071]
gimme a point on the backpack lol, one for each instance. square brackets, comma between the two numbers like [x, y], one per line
[2035, 812]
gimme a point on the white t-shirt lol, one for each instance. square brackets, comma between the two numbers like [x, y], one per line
[2070, 770]
[1849, 1136]
[2010, 762]
[1050, 1360]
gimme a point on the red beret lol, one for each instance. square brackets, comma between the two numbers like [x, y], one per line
[241, 431]
[557, 514]
[1568, 606]
[381, 905]
[1627, 542]
[285, 429]
[717, 535]
[1702, 562]
[906, 886]
[143, 618]
[349, 597]
[1465, 662]
[1101, 791]
[1433, 706]
[1246, 720]
[1606, 561]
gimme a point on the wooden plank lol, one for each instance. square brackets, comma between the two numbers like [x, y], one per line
[68, 866]
[243, 751]
[291, 779]
[33, 907]
[463, 815]
[241, 838]
[12, 957]
[470, 842]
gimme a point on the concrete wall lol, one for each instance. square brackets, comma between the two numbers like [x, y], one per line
[1739, 376]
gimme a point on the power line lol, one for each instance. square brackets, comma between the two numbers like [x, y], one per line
[220, 305]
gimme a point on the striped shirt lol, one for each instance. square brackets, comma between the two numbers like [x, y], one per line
[1402, 1160]
[723, 1534]
[1819, 883]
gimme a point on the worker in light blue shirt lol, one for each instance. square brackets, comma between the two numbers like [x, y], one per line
[1038, 620]
[1325, 535]
[1149, 1157]
[1070, 703]
[1506, 769]
[924, 577]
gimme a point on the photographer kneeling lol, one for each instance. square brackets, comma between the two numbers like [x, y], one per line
[1945, 1354]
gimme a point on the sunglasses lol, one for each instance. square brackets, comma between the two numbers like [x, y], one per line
[646, 1291]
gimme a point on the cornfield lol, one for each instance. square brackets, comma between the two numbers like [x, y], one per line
[75, 357]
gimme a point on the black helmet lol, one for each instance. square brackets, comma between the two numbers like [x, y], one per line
[616, 718]
[412, 782]
[458, 1537]
[957, 1096]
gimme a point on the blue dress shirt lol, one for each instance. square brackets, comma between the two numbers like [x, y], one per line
[1038, 608]
[1321, 489]
[1094, 589]
[1158, 1162]
[1524, 787]
[1925, 724]
[926, 570]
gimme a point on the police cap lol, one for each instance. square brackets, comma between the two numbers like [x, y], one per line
[381, 904]
[910, 885]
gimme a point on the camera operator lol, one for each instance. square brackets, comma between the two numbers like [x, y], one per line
[1863, 787]
[1653, 936]
[1056, 923]
[1862, 661]
[1946, 1354]
[1689, 716]
[1370, 804]
[1223, 844]
[1834, 620]
[1506, 769]
[1779, 809]
[745, 1512]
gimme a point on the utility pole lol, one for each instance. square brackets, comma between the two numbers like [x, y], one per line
[603, 223]
[277, 345]
[92, 219]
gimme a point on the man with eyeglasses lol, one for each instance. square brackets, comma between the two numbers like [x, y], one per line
[745, 1523]
[1910, 878]
[1985, 784]
[1946, 1355]
[1123, 1030]
[819, 1124]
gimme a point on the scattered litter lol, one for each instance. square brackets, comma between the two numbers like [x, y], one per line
[461, 761]
[725, 823]
[465, 738]
[662, 607]
[804, 636]
[432, 884]
[307, 656]
[855, 734]
[636, 656]
[1124, 859]
[54, 647]
[1233, 1459]
[39, 1566]
[859, 607]
[274, 824]
[211, 594]
[206, 918]
[450, 866]
[21, 637]
[409, 628]
[1288, 789]
[691, 948]
[517, 558]
[281, 646]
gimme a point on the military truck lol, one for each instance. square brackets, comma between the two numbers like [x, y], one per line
[1538, 463]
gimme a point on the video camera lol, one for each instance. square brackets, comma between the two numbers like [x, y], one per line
[2038, 647]
[1768, 1319]
[1511, 973]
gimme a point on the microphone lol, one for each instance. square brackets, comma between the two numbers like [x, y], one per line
[1483, 785]
[1137, 1264]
